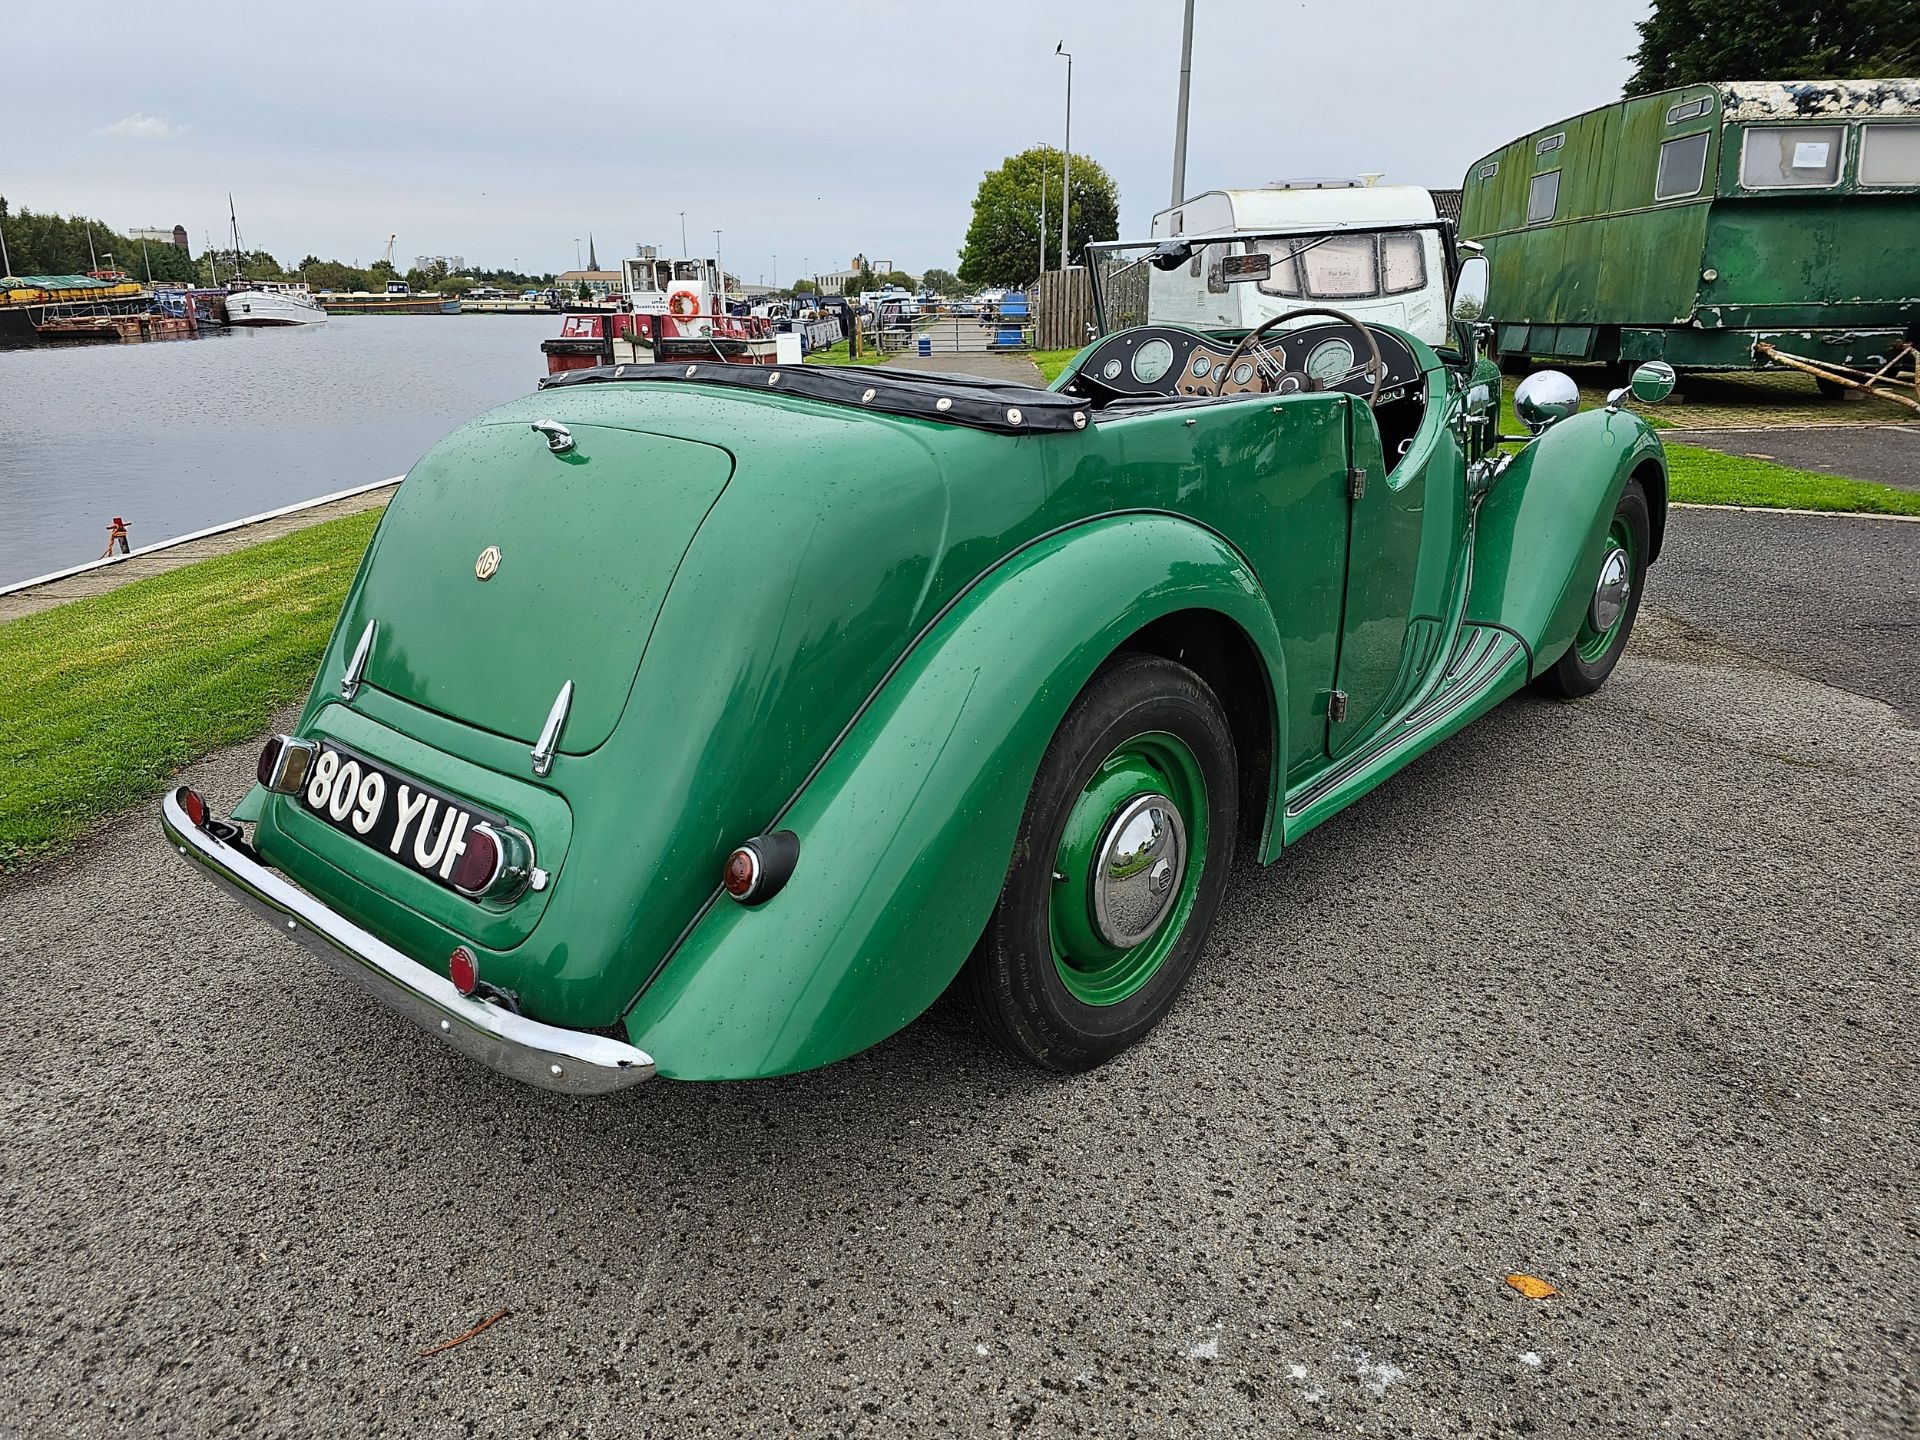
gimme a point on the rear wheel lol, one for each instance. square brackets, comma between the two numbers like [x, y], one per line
[1119, 867]
[1831, 389]
[1612, 603]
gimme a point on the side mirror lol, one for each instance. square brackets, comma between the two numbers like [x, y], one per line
[1544, 397]
[1651, 383]
[1470, 290]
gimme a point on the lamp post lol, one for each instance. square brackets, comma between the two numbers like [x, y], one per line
[718, 265]
[1066, 168]
[1043, 223]
[576, 252]
[1180, 115]
[683, 236]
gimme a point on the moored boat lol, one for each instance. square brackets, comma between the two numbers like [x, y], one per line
[365, 302]
[672, 310]
[272, 302]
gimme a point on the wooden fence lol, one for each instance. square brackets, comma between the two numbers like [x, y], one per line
[1064, 309]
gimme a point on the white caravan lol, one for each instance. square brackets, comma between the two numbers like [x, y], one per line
[1395, 279]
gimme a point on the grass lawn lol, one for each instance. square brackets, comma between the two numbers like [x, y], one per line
[104, 699]
[1052, 362]
[1697, 476]
[1706, 477]
[836, 354]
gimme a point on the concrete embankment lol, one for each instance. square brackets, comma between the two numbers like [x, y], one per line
[29, 597]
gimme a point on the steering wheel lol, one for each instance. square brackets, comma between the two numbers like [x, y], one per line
[1253, 335]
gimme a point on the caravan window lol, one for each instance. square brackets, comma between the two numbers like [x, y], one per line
[1776, 157]
[1543, 197]
[1344, 267]
[1683, 167]
[1890, 155]
[1403, 264]
[1341, 268]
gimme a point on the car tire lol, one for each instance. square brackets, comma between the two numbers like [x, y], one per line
[1142, 775]
[1595, 650]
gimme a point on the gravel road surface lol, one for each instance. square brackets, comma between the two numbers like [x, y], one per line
[1619, 994]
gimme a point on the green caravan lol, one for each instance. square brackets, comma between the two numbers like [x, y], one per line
[1695, 225]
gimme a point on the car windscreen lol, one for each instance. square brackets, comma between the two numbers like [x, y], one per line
[1134, 281]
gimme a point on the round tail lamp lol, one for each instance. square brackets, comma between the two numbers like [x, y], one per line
[757, 871]
[195, 807]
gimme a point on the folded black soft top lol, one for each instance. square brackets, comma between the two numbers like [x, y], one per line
[970, 400]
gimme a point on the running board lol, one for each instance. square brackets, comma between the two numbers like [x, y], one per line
[1487, 665]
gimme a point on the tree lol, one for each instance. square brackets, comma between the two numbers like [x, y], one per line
[43, 244]
[1004, 242]
[899, 278]
[941, 282]
[805, 287]
[1685, 42]
[583, 291]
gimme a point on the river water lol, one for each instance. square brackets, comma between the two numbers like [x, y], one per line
[178, 435]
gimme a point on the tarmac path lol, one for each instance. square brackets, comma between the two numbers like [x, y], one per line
[1620, 994]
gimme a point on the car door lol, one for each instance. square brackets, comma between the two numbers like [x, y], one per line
[1406, 526]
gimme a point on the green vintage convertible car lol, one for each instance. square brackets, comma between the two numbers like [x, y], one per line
[713, 720]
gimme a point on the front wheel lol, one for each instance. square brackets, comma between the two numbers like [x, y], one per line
[1119, 866]
[1612, 603]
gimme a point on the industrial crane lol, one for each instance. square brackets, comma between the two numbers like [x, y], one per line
[387, 259]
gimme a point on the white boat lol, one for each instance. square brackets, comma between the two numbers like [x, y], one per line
[269, 302]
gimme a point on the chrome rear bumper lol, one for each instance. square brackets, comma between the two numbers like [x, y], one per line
[553, 1058]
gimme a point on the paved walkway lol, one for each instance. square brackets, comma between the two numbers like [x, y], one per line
[172, 557]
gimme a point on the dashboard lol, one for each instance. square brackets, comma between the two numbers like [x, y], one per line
[1174, 362]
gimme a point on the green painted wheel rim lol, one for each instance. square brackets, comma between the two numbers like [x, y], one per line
[1095, 970]
[1592, 644]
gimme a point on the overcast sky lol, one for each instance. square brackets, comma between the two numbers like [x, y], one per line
[502, 131]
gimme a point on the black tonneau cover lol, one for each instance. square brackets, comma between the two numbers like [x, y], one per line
[970, 400]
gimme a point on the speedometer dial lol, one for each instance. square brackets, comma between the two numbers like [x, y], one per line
[1329, 361]
[1153, 359]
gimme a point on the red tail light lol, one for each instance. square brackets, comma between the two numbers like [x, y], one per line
[284, 762]
[463, 970]
[195, 807]
[758, 869]
[497, 864]
[473, 872]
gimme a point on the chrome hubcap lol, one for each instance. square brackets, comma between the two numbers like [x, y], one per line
[1610, 594]
[1137, 869]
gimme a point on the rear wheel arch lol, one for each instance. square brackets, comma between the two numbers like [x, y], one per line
[1220, 652]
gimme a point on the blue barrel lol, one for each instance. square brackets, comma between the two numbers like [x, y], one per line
[926, 345]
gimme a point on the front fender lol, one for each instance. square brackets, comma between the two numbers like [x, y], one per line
[906, 828]
[1541, 529]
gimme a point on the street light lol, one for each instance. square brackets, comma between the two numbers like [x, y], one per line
[683, 236]
[718, 266]
[1180, 116]
[1066, 169]
[576, 252]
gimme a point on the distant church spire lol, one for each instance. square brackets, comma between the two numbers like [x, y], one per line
[593, 260]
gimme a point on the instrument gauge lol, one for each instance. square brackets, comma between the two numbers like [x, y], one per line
[1202, 367]
[1110, 370]
[1329, 361]
[1153, 359]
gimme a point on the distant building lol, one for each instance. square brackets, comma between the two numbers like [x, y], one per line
[454, 263]
[154, 235]
[600, 283]
[835, 282]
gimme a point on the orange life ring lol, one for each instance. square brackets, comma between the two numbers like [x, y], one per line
[691, 307]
